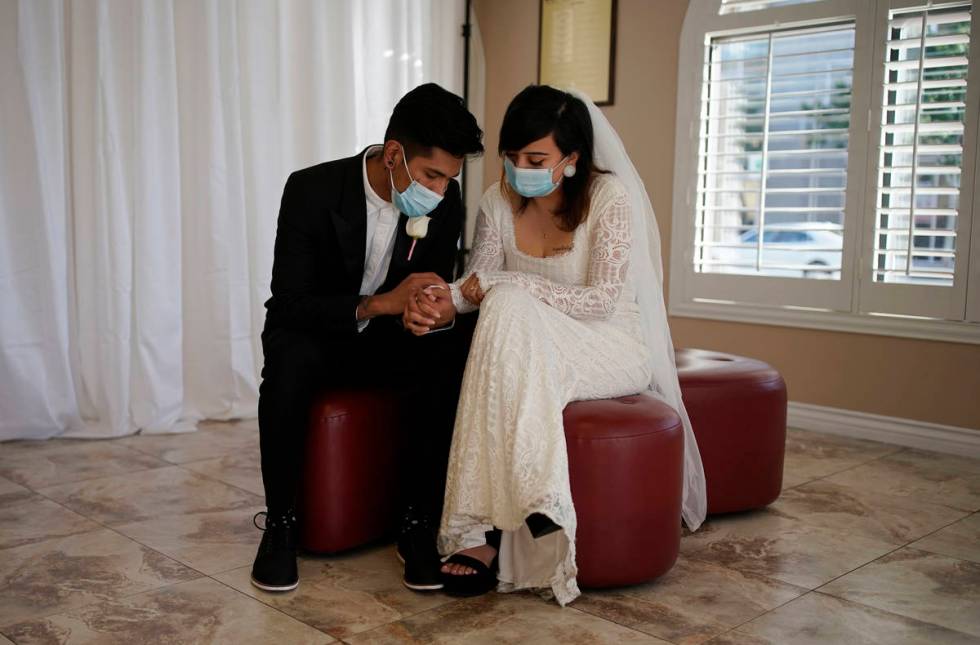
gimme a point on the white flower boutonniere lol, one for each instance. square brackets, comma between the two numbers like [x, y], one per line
[417, 228]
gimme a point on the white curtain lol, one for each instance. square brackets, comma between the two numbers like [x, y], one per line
[143, 150]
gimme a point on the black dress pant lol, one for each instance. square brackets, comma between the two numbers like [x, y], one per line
[428, 369]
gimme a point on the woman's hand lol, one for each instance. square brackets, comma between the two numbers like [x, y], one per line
[471, 289]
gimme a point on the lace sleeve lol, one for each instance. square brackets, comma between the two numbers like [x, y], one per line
[609, 256]
[487, 255]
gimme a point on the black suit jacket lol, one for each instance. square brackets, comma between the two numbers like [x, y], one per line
[320, 248]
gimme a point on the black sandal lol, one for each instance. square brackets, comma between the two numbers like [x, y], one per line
[473, 584]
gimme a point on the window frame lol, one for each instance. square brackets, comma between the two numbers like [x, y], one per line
[850, 304]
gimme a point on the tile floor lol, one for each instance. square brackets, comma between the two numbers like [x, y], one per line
[149, 539]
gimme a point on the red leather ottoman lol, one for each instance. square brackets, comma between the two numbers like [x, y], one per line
[625, 464]
[625, 461]
[350, 482]
[737, 407]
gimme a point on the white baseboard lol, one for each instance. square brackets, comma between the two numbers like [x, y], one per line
[903, 432]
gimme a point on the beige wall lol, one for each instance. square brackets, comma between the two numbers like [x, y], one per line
[914, 379]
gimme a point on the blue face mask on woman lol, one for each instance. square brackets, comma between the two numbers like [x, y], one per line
[416, 200]
[531, 182]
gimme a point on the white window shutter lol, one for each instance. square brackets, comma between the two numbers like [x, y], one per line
[917, 259]
[774, 137]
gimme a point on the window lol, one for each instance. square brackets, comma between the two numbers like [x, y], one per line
[922, 129]
[922, 179]
[829, 178]
[774, 151]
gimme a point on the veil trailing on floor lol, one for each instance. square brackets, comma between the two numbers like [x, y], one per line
[647, 272]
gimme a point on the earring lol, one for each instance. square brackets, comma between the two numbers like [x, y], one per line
[569, 171]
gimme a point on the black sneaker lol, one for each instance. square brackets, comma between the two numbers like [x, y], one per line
[417, 551]
[275, 563]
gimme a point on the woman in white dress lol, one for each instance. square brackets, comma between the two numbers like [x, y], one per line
[569, 310]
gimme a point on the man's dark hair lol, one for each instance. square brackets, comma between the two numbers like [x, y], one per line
[432, 117]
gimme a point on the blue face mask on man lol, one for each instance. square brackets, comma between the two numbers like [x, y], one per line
[416, 200]
[531, 182]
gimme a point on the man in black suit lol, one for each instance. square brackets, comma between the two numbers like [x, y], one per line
[344, 269]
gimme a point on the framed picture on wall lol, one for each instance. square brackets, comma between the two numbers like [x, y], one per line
[577, 46]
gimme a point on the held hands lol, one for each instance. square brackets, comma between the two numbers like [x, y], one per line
[429, 307]
[393, 302]
[471, 289]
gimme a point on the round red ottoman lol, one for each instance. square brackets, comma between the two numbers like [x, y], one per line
[625, 461]
[625, 464]
[348, 494]
[737, 407]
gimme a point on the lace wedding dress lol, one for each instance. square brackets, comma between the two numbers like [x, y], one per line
[551, 330]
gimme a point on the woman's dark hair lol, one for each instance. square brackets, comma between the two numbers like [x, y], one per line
[432, 117]
[540, 110]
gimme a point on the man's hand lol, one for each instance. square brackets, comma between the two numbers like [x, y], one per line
[393, 302]
[430, 308]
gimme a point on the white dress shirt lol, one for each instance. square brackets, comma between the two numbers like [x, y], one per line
[382, 224]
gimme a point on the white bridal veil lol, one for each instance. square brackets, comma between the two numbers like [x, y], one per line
[647, 272]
